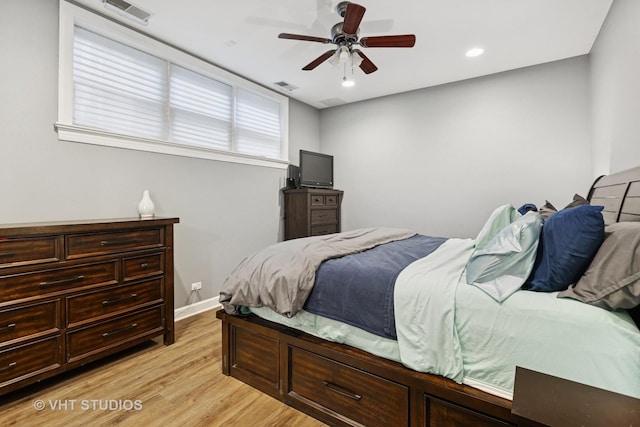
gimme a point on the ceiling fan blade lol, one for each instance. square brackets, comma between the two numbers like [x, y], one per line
[303, 38]
[405, 40]
[319, 60]
[366, 65]
[352, 18]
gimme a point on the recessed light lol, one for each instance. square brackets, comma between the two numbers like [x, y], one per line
[476, 51]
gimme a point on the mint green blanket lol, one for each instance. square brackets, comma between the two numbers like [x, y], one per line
[450, 328]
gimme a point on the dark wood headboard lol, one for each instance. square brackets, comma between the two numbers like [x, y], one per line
[619, 193]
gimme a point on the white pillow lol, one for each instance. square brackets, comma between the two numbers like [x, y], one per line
[504, 264]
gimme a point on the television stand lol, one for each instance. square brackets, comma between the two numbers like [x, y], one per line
[311, 212]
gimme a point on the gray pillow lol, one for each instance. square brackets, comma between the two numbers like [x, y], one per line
[548, 209]
[578, 200]
[612, 280]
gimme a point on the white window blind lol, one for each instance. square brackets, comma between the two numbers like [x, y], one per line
[129, 93]
[257, 124]
[201, 110]
[118, 88]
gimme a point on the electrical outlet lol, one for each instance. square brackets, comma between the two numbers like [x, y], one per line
[196, 286]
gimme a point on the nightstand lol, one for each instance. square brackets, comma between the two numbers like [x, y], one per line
[545, 400]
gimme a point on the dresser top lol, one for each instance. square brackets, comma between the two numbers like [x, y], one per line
[74, 226]
[311, 190]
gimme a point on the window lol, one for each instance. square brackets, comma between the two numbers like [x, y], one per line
[123, 89]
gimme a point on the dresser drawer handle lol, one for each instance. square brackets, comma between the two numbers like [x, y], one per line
[119, 331]
[114, 301]
[9, 366]
[341, 391]
[117, 242]
[9, 326]
[144, 265]
[61, 282]
[6, 254]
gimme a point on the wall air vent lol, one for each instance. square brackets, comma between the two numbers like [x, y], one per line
[286, 86]
[128, 10]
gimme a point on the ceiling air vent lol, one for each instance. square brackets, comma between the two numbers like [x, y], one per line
[333, 102]
[128, 10]
[286, 86]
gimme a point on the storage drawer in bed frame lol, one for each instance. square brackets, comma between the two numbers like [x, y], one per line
[344, 386]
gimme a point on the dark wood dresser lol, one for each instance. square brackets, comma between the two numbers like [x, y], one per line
[311, 212]
[73, 292]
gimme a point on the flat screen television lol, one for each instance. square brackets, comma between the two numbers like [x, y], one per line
[316, 169]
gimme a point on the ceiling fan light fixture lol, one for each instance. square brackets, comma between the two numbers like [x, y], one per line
[344, 54]
[335, 59]
[347, 82]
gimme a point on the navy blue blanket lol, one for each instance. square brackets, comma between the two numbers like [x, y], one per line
[358, 289]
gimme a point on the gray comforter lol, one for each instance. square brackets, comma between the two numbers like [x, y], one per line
[281, 276]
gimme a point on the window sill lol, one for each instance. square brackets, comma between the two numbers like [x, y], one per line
[73, 133]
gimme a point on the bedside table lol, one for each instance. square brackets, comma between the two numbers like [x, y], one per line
[545, 400]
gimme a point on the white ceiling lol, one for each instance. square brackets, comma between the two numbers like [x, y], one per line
[241, 36]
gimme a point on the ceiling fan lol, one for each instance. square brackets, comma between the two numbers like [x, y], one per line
[345, 35]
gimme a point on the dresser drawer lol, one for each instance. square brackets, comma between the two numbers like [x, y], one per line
[15, 287]
[103, 336]
[82, 245]
[324, 216]
[25, 251]
[31, 359]
[27, 321]
[365, 398]
[440, 412]
[100, 303]
[143, 266]
[331, 200]
[317, 200]
[321, 230]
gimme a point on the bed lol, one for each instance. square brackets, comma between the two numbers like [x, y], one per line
[446, 353]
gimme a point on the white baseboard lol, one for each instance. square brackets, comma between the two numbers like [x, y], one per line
[196, 308]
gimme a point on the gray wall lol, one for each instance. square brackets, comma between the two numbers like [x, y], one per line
[226, 210]
[615, 90]
[439, 160]
[304, 121]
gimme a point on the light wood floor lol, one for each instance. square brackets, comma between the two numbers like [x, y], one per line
[178, 385]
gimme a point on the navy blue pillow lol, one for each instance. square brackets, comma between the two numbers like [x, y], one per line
[569, 241]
